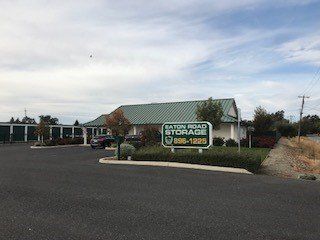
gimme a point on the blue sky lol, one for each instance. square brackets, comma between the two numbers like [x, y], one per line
[259, 52]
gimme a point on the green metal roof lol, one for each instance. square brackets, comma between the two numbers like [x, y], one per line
[159, 113]
[98, 122]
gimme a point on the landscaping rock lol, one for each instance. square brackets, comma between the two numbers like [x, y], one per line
[307, 177]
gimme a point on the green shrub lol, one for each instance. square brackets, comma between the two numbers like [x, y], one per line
[60, 141]
[218, 141]
[77, 140]
[259, 152]
[231, 143]
[136, 144]
[114, 145]
[249, 160]
[69, 141]
[244, 142]
[50, 143]
[125, 151]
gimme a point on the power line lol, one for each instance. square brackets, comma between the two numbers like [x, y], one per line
[313, 108]
[314, 105]
[312, 87]
[312, 82]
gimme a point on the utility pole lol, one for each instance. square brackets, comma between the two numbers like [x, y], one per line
[239, 120]
[301, 112]
[25, 112]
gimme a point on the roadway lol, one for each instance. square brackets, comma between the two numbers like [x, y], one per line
[64, 193]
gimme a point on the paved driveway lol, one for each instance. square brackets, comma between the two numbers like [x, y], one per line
[65, 194]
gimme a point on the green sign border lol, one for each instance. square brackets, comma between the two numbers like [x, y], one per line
[196, 147]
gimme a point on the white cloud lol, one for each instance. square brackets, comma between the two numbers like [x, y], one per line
[305, 50]
[143, 51]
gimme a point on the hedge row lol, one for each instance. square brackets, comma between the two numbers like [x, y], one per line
[60, 141]
[218, 141]
[246, 160]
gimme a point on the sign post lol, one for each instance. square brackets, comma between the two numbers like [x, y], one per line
[187, 135]
[239, 133]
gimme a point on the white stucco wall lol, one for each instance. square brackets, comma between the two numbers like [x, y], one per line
[224, 131]
[228, 130]
[232, 112]
[136, 129]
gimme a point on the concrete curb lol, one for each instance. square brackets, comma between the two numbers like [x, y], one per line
[110, 148]
[60, 146]
[175, 165]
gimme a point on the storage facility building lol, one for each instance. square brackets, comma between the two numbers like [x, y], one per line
[156, 114]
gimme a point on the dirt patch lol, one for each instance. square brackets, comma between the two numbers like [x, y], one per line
[289, 159]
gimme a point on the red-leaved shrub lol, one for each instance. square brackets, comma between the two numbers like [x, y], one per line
[263, 142]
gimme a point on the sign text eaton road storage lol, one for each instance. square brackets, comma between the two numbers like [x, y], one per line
[187, 134]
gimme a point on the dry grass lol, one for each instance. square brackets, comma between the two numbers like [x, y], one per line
[309, 153]
[309, 148]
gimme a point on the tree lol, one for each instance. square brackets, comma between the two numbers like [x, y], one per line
[49, 120]
[11, 120]
[118, 123]
[262, 120]
[119, 126]
[76, 123]
[310, 124]
[17, 121]
[150, 135]
[28, 120]
[42, 129]
[278, 116]
[287, 129]
[210, 111]
[247, 123]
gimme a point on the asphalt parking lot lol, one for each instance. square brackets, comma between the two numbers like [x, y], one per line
[64, 193]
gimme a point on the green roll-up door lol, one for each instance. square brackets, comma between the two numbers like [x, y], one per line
[55, 132]
[4, 133]
[18, 133]
[67, 132]
[31, 133]
[78, 132]
[89, 131]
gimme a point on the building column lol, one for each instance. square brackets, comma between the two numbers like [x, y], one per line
[61, 132]
[50, 135]
[38, 138]
[72, 132]
[26, 133]
[11, 133]
[85, 136]
[232, 131]
[134, 130]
